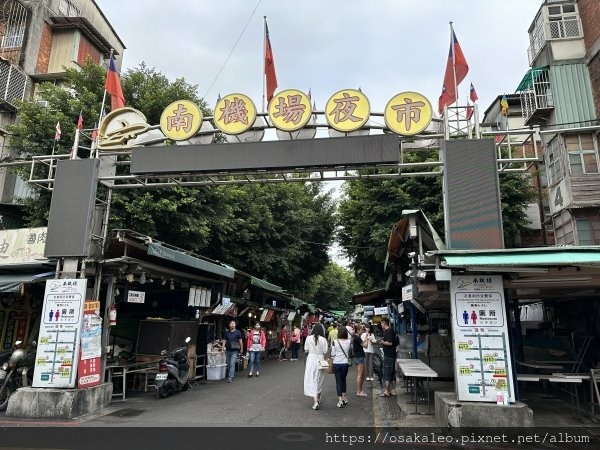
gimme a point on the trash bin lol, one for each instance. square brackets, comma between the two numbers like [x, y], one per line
[216, 372]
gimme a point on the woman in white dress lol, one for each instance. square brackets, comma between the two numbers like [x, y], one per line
[315, 345]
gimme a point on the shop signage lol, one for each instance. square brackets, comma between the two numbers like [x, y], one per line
[57, 352]
[483, 367]
[136, 297]
[22, 246]
[348, 110]
[380, 311]
[407, 293]
[90, 364]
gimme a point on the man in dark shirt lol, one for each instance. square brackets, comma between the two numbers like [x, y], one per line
[389, 344]
[233, 345]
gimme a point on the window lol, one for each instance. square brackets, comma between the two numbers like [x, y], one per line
[563, 21]
[68, 8]
[15, 32]
[588, 230]
[563, 229]
[582, 154]
[554, 167]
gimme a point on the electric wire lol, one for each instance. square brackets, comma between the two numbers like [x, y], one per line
[233, 49]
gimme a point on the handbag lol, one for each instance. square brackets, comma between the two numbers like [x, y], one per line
[322, 362]
[235, 343]
[344, 352]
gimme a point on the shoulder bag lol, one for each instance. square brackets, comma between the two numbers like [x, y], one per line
[342, 348]
[323, 363]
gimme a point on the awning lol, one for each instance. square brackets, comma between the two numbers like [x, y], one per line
[530, 77]
[13, 282]
[368, 297]
[265, 285]
[189, 260]
[539, 258]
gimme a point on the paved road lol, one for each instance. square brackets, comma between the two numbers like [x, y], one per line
[273, 399]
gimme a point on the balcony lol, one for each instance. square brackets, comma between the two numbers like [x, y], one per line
[554, 30]
[13, 85]
[536, 95]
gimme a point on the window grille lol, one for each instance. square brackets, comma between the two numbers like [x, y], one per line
[68, 8]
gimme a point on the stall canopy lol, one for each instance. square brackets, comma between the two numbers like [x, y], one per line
[180, 257]
[13, 282]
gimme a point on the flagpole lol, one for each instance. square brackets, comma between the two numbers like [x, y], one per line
[264, 75]
[454, 74]
[103, 102]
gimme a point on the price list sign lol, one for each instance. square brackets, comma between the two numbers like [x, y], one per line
[60, 333]
[483, 365]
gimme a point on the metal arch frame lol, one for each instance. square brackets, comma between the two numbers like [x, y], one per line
[515, 154]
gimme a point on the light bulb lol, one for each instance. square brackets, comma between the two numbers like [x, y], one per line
[143, 278]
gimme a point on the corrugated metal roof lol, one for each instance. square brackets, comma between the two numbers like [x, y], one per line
[572, 93]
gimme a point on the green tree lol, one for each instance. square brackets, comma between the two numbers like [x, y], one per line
[369, 208]
[333, 288]
[266, 230]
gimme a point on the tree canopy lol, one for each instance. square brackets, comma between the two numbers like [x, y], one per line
[267, 230]
[369, 208]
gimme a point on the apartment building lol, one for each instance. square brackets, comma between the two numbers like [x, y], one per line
[38, 39]
[557, 95]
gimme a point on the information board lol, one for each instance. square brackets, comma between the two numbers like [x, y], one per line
[60, 332]
[88, 369]
[482, 361]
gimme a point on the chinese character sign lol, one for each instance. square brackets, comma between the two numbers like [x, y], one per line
[482, 356]
[408, 113]
[181, 120]
[290, 110]
[234, 114]
[347, 110]
[57, 351]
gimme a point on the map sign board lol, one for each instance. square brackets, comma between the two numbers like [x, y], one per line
[483, 367]
[60, 333]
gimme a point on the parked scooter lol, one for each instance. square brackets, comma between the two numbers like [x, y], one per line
[17, 372]
[173, 371]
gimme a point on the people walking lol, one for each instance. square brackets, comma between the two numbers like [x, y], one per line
[295, 342]
[284, 341]
[316, 347]
[368, 338]
[389, 344]
[358, 348]
[340, 350]
[333, 333]
[257, 341]
[233, 346]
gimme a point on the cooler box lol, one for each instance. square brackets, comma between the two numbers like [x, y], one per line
[215, 358]
[215, 372]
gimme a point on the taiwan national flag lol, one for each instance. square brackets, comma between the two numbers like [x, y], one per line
[269, 66]
[113, 86]
[456, 64]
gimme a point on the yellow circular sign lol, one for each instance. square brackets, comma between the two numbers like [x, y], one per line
[290, 110]
[181, 120]
[408, 113]
[347, 110]
[234, 114]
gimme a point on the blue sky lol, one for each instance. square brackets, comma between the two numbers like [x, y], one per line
[382, 46]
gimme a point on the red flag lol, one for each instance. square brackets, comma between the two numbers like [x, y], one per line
[80, 121]
[57, 133]
[456, 64]
[469, 110]
[95, 132]
[269, 66]
[473, 94]
[113, 86]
